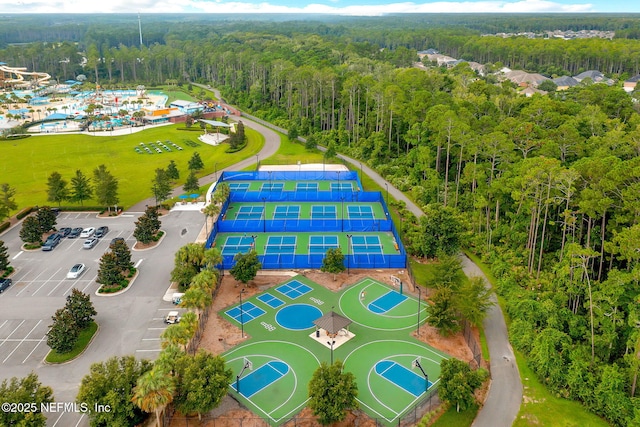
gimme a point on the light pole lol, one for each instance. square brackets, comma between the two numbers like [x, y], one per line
[349, 236]
[419, 299]
[386, 184]
[270, 184]
[215, 168]
[264, 214]
[253, 237]
[242, 291]
[342, 212]
[331, 343]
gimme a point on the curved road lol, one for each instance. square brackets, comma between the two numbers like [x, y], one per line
[503, 400]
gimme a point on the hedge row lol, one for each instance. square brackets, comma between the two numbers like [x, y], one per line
[4, 226]
[24, 212]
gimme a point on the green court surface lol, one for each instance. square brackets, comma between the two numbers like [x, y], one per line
[277, 361]
[300, 243]
[305, 210]
[292, 185]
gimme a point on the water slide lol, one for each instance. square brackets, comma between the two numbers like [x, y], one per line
[20, 72]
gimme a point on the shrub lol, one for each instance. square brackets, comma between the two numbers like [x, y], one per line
[24, 212]
[4, 226]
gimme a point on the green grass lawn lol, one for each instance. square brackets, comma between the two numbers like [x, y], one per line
[451, 418]
[32, 160]
[542, 408]
[83, 341]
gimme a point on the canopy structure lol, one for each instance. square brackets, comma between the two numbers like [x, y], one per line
[215, 123]
[332, 323]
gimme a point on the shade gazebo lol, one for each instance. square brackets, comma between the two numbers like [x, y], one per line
[332, 322]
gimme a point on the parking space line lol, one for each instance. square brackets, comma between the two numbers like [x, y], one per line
[91, 282]
[60, 282]
[156, 329]
[81, 417]
[17, 255]
[3, 323]
[19, 344]
[12, 332]
[30, 282]
[46, 281]
[166, 309]
[34, 348]
[159, 349]
[139, 262]
[58, 419]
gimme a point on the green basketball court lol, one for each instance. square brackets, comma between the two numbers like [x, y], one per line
[273, 367]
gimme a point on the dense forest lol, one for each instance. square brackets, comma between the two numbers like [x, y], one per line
[548, 187]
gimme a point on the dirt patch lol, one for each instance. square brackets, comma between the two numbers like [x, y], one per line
[220, 336]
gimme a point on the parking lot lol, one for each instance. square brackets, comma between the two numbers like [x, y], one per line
[130, 323]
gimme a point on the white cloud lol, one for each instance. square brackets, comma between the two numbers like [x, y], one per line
[221, 6]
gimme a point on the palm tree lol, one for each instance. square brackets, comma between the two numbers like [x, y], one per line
[168, 359]
[153, 392]
[211, 210]
[196, 298]
[177, 335]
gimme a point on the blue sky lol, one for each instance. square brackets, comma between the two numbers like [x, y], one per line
[340, 7]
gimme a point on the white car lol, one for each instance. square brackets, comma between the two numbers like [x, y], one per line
[75, 271]
[90, 242]
[87, 232]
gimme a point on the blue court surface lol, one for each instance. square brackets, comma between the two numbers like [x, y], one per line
[402, 377]
[320, 244]
[298, 317]
[360, 212]
[235, 244]
[286, 212]
[275, 186]
[307, 186]
[245, 313]
[250, 212]
[323, 212]
[341, 186]
[261, 378]
[280, 245]
[366, 245]
[386, 302]
[236, 186]
[270, 300]
[293, 289]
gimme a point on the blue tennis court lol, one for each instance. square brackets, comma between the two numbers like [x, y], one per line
[245, 313]
[402, 377]
[386, 302]
[270, 300]
[360, 212]
[307, 186]
[237, 244]
[320, 244]
[261, 378]
[324, 212]
[238, 186]
[294, 289]
[286, 212]
[341, 186]
[366, 245]
[272, 186]
[250, 212]
[280, 245]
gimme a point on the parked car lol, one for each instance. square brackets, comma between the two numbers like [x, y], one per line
[75, 232]
[116, 239]
[4, 284]
[51, 242]
[76, 271]
[101, 231]
[172, 317]
[90, 242]
[64, 231]
[87, 232]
